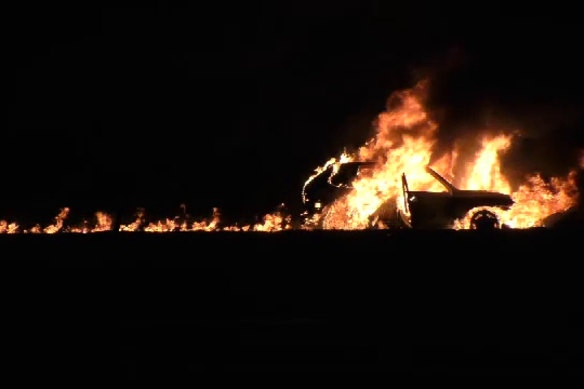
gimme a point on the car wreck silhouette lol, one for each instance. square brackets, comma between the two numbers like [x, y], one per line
[440, 209]
[421, 209]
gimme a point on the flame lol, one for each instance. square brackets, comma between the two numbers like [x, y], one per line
[104, 223]
[8, 228]
[404, 142]
[277, 221]
[485, 171]
[135, 225]
[59, 221]
[334, 162]
[274, 222]
[534, 201]
[182, 224]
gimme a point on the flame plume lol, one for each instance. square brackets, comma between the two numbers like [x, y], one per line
[404, 142]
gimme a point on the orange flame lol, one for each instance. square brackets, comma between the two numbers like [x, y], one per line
[59, 220]
[485, 170]
[404, 143]
[8, 228]
[534, 201]
[135, 225]
[274, 222]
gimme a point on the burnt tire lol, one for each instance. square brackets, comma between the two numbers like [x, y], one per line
[484, 220]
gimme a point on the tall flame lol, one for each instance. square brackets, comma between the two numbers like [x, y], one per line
[485, 170]
[404, 142]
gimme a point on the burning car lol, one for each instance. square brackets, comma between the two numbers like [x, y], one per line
[421, 209]
[440, 209]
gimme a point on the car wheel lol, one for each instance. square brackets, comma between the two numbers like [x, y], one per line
[484, 220]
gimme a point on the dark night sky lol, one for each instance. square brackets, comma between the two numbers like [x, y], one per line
[234, 105]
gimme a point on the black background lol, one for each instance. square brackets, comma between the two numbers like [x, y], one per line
[167, 307]
[232, 105]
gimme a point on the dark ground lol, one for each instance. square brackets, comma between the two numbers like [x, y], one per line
[144, 307]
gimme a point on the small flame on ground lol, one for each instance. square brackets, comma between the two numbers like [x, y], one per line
[277, 221]
[59, 221]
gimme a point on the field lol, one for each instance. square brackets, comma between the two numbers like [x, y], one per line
[146, 306]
